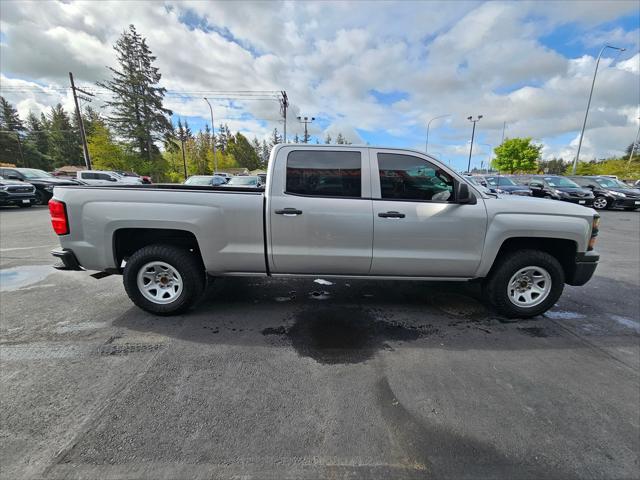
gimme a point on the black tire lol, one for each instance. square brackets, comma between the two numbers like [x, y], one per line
[184, 262]
[495, 285]
[598, 200]
[41, 198]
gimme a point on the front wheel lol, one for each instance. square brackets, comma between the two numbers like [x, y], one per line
[601, 203]
[524, 284]
[164, 280]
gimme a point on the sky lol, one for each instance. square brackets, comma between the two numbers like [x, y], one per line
[377, 72]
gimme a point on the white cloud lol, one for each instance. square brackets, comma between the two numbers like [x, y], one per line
[460, 58]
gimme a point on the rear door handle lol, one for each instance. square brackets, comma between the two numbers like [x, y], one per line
[289, 212]
[393, 214]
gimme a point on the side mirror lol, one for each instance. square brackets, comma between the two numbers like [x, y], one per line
[464, 196]
[111, 179]
[535, 186]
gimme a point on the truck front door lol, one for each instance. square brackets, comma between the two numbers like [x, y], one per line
[419, 229]
[320, 211]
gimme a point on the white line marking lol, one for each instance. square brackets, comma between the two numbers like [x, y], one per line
[25, 248]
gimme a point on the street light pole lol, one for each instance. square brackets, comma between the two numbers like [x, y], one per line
[426, 146]
[213, 138]
[306, 121]
[473, 133]
[586, 113]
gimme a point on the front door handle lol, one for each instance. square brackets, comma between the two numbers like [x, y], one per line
[393, 214]
[289, 212]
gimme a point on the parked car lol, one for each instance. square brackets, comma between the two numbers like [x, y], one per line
[556, 187]
[14, 192]
[505, 185]
[144, 178]
[609, 192]
[106, 177]
[43, 181]
[244, 181]
[213, 180]
[523, 250]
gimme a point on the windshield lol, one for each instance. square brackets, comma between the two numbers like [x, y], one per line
[561, 182]
[198, 181]
[610, 183]
[33, 173]
[493, 181]
[246, 181]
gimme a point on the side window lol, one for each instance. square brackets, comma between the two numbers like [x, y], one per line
[102, 176]
[324, 173]
[405, 177]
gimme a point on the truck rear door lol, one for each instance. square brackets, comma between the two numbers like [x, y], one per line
[320, 211]
[419, 229]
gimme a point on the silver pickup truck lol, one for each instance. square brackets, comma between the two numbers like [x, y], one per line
[335, 211]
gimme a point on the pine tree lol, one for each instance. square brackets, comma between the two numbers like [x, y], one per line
[266, 152]
[275, 138]
[242, 151]
[64, 144]
[11, 131]
[327, 139]
[138, 114]
[255, 143]
[340, 139]
[296, 139]
[37, 144]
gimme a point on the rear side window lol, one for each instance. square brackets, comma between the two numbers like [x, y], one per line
[88, 176]
[324, 173]
[405, 177]
[102, 176]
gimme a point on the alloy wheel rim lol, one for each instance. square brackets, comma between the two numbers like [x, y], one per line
[600, 202]
[159, 282]
[529, 287]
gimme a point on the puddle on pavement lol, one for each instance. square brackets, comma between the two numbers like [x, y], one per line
[15, 278]
[344, 335]
[563, 315]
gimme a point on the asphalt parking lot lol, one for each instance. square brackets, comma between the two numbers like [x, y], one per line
[299, 379]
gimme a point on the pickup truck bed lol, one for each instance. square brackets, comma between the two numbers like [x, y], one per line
[332, 210]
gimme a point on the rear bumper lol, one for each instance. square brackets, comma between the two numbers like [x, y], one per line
[583, 268]
[69, 260]
[626, 203]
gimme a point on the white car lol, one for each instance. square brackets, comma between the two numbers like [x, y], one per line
[106, 177]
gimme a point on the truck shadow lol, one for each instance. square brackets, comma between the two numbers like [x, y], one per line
[350, 321]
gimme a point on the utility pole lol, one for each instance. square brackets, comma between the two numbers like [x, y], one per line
[284, 104]
[184, 159]
[306, 121]
[504, 127]
[473, 133]
[83, 136]
[635, 144]
[586, 114]
[213, 140]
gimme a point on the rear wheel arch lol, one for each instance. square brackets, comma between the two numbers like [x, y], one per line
[127, 241]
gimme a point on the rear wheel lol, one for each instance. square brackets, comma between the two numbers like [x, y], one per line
[601, 203]
[524, 284]
[164, 280]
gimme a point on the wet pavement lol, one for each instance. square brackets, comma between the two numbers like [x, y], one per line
[315, 378]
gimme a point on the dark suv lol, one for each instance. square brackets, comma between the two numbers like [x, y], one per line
[502, 184]
[17, 193]
[610, 192]
[43, 181]
[556, 187]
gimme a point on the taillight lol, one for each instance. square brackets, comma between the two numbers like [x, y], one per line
[595, 227]
[59, 221]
